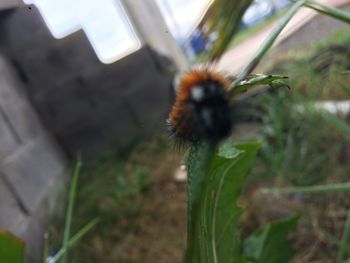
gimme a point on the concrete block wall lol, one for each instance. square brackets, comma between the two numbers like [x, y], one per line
[7, 4]
[31, 164]
[87, 105]
[56, 92]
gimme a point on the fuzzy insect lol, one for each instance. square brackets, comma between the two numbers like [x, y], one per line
[201, 109]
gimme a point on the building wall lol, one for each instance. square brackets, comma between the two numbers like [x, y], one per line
[87, 105]
[7, 4]
[56, 96]
[31, 164]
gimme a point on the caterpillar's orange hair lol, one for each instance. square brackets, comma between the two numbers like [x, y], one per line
[181, 118]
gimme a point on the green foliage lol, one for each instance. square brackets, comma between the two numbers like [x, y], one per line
[11, 248]
[344, 243]
[215, 182]
[70, 241]
[293, 127]
[290, 148]
[269, 244]
[111, 189]
[134, 184]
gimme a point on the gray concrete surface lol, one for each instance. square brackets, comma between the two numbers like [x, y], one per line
[87, 105]
[7, 4]
[32, 167]
[56, 92]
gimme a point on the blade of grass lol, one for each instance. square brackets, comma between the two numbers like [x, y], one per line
[71, 201]
[327, 10]
[343, 187]
[268, 43]
[46, 247]
[344, 241]
[344, 88]
[74, 240]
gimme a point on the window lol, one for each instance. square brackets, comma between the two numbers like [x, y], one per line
[104, 22]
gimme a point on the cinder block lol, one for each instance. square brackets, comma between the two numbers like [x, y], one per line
[34, 238]
[14, 106]
[12, 218]
[66, 107]
[33, 169]
[150, 102]
[9, 140]
[109, 128]
[23, 30]
[23, 120]
[120, 126]
[11, 90]
[6, 4]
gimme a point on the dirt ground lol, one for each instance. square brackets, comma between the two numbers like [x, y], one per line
[155, 232]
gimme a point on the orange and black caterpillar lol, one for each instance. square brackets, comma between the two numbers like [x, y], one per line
[201, 109]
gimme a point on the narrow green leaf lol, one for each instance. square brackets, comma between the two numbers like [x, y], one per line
[269, 244]
[71, 202]
[344, 243]
[252, 80]
[213, 235]
[342, 187]
[74, 240]
[328, 10]
[11, 248]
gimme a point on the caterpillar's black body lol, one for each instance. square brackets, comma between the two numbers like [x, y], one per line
[201, 109]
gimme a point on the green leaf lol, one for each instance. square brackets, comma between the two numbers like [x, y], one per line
[269, 244]
[223, 18]
[275, 81]
[11, 248]
[213, 235]
[70, 208]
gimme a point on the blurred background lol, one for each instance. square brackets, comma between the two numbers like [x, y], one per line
[96, 77]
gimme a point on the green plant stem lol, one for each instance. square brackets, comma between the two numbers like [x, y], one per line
[72, 242]
[269, 42]
[71, 201]
[198, 160]
[327, 10]
[309, 189]
[344, 241]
